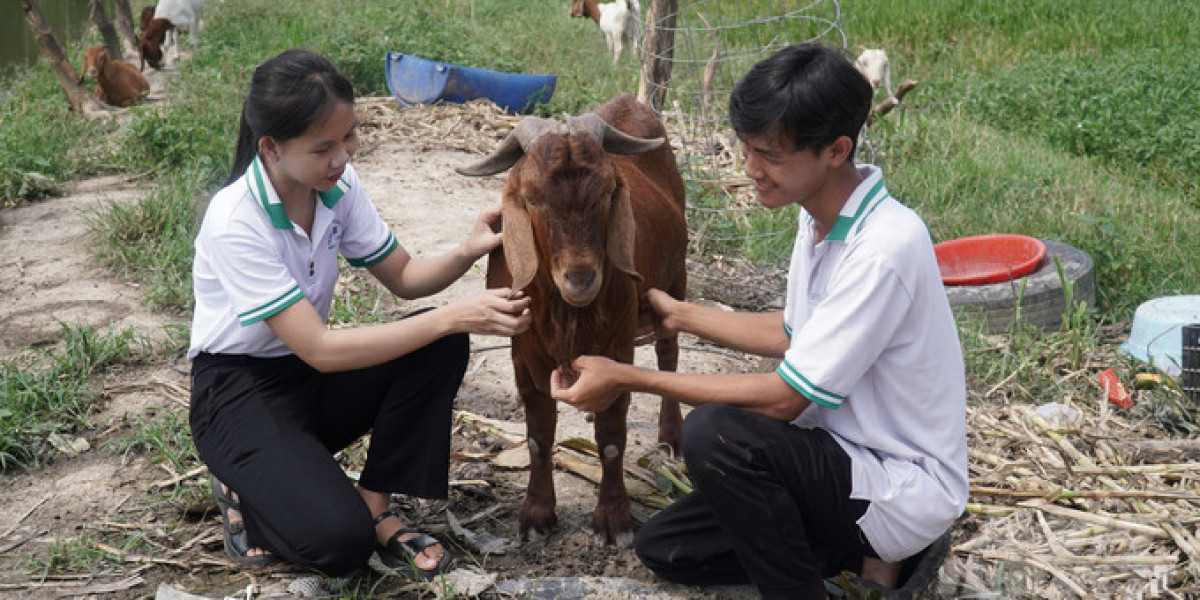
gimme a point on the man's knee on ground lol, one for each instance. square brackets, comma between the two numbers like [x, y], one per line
[655, 552]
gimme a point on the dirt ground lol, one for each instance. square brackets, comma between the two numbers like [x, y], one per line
[47, 277]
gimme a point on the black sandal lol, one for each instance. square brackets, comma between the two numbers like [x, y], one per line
[918, 577]
[237, 542]
[401, 555]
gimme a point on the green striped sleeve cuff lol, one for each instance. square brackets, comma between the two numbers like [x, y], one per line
[793, 378]
[377, 255]
[271, 308]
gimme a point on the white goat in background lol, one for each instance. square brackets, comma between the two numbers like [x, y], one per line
[873, 64]
[620, 21]
[184, 14]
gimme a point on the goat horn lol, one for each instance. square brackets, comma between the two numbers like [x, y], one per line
[612, 139]
[512, 148]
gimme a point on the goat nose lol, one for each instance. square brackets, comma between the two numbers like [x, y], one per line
[581, 279]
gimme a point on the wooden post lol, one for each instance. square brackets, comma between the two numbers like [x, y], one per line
[125, 24]
[658, 48]
[112, 44]
[79, 97]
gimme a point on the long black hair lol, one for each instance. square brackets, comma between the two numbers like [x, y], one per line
[808, 93]
[288, 93]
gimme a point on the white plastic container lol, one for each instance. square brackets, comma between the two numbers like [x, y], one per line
[1156, 335]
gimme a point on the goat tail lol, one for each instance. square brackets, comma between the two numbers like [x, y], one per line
[247, 146]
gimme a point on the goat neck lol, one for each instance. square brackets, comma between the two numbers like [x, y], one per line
[586, 8]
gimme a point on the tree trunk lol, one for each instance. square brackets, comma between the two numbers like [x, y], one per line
[112, 44]
[658, 50]
[79, 97]
[125, 24]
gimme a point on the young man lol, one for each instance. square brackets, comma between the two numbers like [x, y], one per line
[852, 454]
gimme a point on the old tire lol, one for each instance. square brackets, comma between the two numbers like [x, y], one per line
[1042, 300]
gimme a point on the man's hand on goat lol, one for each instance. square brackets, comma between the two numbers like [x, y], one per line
[485, 235]
[666, 321]
[592, 387]
[498, 311]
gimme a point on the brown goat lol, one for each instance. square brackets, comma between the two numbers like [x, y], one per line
[593, 216]
[146, 16]
[151, 42]
[117, 82]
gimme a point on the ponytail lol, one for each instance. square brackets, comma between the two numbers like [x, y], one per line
[247, 147]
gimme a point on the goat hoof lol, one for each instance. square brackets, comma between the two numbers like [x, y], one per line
[614, 524]
[537, 519]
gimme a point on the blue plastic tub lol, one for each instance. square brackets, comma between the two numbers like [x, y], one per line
[414, 80]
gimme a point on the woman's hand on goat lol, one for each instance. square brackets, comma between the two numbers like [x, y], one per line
[590, 385]
[485, 235]
[499, 311]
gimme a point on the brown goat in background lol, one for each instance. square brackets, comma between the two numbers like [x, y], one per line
[593, 216]
[151, 43]
[146, 16]
[117, 82]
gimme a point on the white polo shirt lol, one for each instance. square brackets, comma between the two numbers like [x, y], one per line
[875, 348]
[252, 261]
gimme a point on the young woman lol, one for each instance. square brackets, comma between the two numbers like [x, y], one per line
[275, 392]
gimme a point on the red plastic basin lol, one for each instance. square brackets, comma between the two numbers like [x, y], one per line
[990, 258]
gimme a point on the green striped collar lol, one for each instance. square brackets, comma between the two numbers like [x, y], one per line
[262, 190]
[862, 202]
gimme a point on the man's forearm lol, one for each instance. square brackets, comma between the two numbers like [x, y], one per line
[761, 334]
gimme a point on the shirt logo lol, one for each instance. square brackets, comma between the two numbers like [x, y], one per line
[335, 235]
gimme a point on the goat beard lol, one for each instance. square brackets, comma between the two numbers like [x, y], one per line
[578, 333]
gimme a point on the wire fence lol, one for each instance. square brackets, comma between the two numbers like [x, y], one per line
[714, 43]
[709, 45]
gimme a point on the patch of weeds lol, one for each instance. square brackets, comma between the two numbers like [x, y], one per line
[358, 298]
[150, 240]
[69, 556]
[1028, 362]
[162, 435]
[1166, 407]
[49, 393]
[42, 142]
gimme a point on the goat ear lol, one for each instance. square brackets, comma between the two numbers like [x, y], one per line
[622, 231]
[519, 250]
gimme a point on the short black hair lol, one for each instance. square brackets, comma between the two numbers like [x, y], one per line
[809, 94]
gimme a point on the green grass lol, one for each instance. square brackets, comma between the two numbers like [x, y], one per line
[150, 241]
[164, 436]
[40, 139]
[49, 393]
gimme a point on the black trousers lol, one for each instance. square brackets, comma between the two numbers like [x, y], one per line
[771, 507]
[268, 429]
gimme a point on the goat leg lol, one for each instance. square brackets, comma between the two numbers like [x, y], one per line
[612, 517]
[670, 418]
[541, 417]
